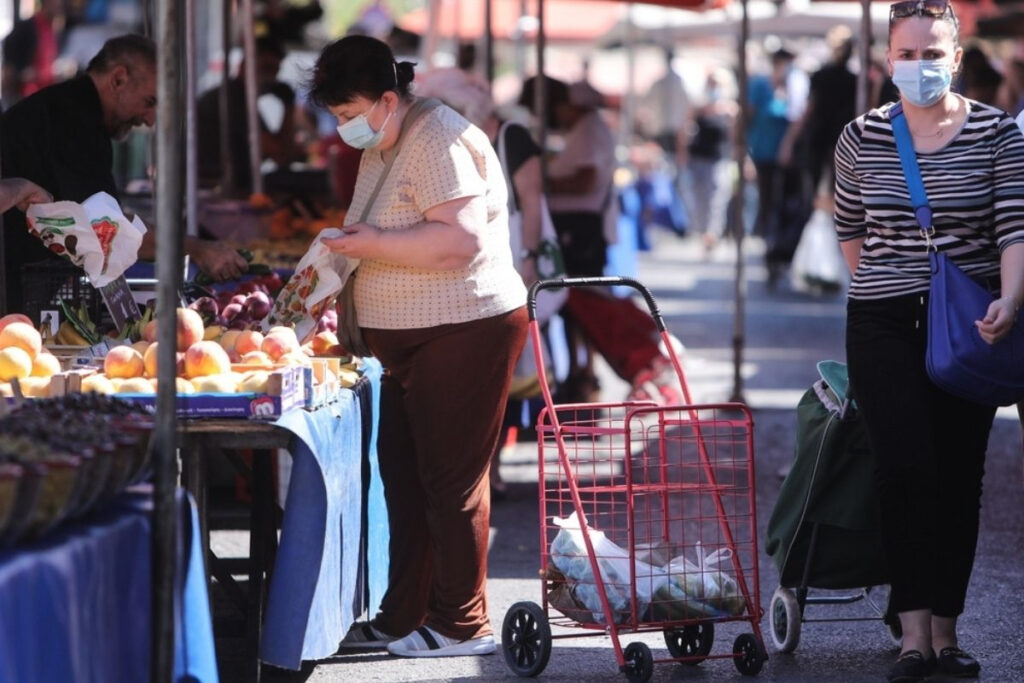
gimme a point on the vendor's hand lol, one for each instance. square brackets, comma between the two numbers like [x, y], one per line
[998, 319]
[359, 241]
[218, 260]
[27, 193]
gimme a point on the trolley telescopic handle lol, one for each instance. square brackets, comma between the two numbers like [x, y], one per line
[611, 281]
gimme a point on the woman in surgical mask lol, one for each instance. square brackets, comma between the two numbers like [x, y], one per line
[439, 302]
[929, 445]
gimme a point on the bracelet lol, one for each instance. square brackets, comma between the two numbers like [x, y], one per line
[529, 254]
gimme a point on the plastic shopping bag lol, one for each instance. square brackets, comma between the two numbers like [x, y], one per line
[697, 589]
[818, 262]
[569, 555]
[94, 235]
[313, 288]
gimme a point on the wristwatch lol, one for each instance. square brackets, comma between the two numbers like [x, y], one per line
[529, 254]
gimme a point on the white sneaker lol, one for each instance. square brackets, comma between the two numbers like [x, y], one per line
[426, 642]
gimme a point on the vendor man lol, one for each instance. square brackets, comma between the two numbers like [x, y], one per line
[60, 138]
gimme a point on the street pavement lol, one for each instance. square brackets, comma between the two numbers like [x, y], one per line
[787, 332]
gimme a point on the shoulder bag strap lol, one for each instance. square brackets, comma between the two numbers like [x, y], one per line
[419, 107]
[912, 172]
[503, 159]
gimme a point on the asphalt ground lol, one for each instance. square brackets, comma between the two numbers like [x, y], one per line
[786, 333]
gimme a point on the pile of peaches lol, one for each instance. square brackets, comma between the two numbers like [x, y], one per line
[23, 357]
[214, 359]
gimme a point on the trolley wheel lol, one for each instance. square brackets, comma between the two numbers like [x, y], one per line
[526, 639]
[750, 654]
[692, 641]
[639, 664]
[785, 619]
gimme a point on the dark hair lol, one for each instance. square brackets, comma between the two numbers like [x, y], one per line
[556, 92]
[357, 66]
[126, 50]
[271, 46]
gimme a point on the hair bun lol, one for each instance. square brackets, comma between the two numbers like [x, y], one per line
[404, 72]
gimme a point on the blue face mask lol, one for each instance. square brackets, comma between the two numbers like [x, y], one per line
[359, 134]
[922, 82]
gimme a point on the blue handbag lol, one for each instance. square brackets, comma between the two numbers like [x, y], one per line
[958, 360]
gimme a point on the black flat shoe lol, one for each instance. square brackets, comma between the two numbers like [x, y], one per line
[910, 667]
[956, 663]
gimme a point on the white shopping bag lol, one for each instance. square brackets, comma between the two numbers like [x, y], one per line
[818, 261]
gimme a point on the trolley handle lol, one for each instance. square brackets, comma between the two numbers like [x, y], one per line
[610, 281]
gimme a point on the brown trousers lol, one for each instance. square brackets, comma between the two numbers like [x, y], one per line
[442, 404]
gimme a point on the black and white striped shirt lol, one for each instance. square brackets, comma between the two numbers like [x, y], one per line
[975, 187]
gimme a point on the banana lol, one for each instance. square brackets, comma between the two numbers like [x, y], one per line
[67, 335]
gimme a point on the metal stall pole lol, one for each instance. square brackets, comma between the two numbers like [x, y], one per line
[863, 82]
[170, 252]
[540, 96]
[227, 180]
[739, 229]
[489, 44]
[191, 133]
[246, 19]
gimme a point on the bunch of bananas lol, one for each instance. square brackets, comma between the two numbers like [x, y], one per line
[78, 329]
[67, 335]
[133, 330]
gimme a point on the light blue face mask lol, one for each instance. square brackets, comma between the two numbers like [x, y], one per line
[923, 82]
[359, 134]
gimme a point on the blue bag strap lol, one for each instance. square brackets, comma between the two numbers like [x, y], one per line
[911, 171]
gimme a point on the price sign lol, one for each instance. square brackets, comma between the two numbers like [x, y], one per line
[118, 298]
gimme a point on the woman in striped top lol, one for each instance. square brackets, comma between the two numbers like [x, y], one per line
[929, 445]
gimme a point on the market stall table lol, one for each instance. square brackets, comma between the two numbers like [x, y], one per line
[332, 561]
[76, 604]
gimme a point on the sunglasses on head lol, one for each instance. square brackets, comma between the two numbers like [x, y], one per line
[936, 9]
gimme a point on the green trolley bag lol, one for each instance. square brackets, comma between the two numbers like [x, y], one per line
[824, 529]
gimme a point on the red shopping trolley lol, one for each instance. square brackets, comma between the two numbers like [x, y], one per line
[647, 524]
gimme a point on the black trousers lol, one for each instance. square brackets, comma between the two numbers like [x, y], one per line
[581, 236]
[929, 448]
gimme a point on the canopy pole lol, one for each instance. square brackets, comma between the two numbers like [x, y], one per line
[170, 253]
[738, 227]
[489, 44]
[863, 82]
[246, 19]
[227, 180]
[191, 132]
[540, 95]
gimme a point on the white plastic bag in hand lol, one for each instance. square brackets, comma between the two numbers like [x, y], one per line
[94, 235]
[818, 261]
[314, 286]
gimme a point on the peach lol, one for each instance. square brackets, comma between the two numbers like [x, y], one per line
[14, 363]
[229, 339]
[254, 382]
[135, 385]
[149, 331]
[141, 346]
[45, 365]
[35, 387]
[181, 385]
[277, 345]
[190, 328]
[206, 358]
[98, 383]
[225, 383]
[14, 318]
[123, 361]
[23, 336]
[149, 361]
[295, 358]
[248, 340]
[258, 358]
[323, 342]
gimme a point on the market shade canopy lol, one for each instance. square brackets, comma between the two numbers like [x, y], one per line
[564, 20]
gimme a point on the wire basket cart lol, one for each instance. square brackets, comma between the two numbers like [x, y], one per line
[647, 525]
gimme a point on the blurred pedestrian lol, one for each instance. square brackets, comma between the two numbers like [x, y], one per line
[978, 79]
[30, 51]
[929, 445]
[438, 301]
[664, 111]
[776, 102]
[709, 165]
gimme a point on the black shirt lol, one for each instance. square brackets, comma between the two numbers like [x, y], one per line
[519, 148]
[55, 138]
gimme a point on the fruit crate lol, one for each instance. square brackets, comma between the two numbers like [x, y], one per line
[45, 283]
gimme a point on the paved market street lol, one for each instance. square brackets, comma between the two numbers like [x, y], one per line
[787, 332]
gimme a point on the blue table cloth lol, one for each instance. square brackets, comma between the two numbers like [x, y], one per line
[330, 555]
[75, 606]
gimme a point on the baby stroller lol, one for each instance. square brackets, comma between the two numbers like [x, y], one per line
[824, 530]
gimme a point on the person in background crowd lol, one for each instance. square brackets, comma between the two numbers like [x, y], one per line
[776, 102]
[979, 80]
[708, 153]
[929, 445]
[20, 193]
[60, 138]
[284, 22]
[664, 111]
[30, 50]
[276, 107]
[831, 104]
[439, 302]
